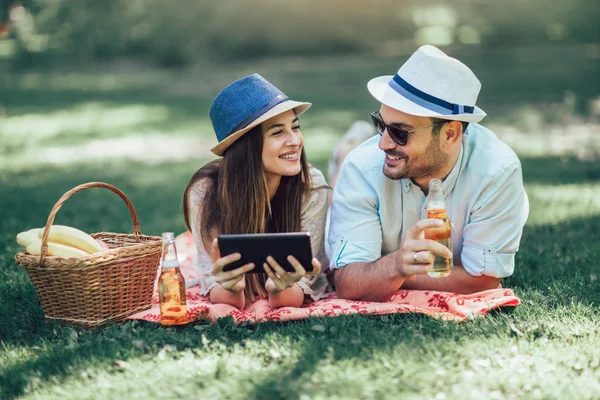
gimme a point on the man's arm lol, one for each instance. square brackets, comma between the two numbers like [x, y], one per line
[378, 280]
[459, 281]
[374, 281]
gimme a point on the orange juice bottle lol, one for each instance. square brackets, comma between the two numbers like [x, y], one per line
[171, 285]
[436, 208]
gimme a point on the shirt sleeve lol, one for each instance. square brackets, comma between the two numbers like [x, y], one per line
[203, 262]
[355, 233]
[313, 217]
[492, 235]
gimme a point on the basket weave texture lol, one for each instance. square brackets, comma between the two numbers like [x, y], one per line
[102, 287]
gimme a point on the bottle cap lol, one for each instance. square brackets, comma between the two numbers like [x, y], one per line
[168, 236]
[435, 183]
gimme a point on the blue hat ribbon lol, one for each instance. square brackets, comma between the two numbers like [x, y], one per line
[427, 101]
[272, 103]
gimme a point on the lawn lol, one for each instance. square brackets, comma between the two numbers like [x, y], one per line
[146, 131]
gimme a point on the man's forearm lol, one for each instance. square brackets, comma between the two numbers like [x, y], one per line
[374, 281]
[459, 281]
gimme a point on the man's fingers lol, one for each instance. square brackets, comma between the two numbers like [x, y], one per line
[426, 245]
[415, 231]
[416, 269]
[423, 257]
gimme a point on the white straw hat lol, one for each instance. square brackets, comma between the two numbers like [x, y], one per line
[431, 84]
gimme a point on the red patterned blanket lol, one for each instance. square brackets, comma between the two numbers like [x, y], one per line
[443, 305]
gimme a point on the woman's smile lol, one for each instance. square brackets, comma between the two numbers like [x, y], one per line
[291, 156]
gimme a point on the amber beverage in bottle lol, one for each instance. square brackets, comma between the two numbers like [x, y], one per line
[436, 208]
[171, 285]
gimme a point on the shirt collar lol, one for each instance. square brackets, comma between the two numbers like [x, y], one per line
[448, 183]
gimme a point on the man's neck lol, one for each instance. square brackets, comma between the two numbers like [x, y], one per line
[442, 173]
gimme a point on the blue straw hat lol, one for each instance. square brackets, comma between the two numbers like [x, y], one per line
[244, 104]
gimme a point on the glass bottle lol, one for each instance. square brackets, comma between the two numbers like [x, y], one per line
[171, 285]
[436, 208]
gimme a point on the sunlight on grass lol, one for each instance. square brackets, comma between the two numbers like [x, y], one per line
[80, 120]
[37, 139]
[211, 371]
[493, 369]
[550, 204]
[580, 139]
[320, 142]
[323, 131]
[7, 48]
[88, 81]
[149, 148]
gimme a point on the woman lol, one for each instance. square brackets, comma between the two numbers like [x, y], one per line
[263, 184]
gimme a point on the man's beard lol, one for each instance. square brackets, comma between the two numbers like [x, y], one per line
[420, 166]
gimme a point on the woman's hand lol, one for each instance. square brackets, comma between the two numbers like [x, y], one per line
[232, 280]
[280, 280]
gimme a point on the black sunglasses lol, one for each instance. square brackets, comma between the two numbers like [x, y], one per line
[398, 135]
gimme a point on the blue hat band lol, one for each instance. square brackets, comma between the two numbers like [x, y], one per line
[427, 101]
[272, 103]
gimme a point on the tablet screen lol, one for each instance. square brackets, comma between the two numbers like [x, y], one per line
[256, 247]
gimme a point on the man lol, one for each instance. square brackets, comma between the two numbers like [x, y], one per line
[427, 122]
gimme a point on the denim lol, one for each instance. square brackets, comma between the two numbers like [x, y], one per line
[239, 101]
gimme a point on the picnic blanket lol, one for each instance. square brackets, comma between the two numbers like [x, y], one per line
[442, 305]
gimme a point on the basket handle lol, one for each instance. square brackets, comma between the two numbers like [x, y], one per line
[67, 195]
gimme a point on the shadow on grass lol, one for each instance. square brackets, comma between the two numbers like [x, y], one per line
[68, 351]
[560, 261]
[559, 170]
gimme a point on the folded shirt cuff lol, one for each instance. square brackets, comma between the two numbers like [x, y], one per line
[345, 252]
[487, 261]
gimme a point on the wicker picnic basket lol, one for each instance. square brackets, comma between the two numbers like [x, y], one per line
[102, 287]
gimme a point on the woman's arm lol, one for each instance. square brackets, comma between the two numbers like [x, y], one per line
[214, 283]
[291, 297]
[220, 295]
[313, 220]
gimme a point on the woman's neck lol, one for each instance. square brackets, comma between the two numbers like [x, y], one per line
[273, 182]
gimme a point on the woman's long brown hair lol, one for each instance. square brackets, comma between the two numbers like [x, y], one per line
[237, 198]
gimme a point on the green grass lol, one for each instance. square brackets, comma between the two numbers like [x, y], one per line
[547, 347]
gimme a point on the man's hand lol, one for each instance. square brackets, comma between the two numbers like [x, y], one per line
[417, 253]
[234, 281]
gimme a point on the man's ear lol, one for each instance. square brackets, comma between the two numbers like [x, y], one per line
[452, 133]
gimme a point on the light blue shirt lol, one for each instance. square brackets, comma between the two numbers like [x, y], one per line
[485, 200]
